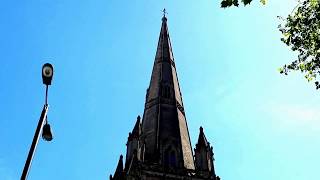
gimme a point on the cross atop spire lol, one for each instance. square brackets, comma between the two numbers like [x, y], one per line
[164, 12]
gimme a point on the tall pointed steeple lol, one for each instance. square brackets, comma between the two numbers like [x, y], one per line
[159, 147]
[164, 127]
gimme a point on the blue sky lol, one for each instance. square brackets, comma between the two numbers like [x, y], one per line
[261, 124]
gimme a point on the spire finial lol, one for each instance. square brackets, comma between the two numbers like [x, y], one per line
[164, 12]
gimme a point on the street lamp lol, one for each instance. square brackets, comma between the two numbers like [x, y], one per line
[47, 74]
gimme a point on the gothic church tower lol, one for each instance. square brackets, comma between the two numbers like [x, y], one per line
[159, 147]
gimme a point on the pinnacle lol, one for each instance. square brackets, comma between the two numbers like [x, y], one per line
[202, 140]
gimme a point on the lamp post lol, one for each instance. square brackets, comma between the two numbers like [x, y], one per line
[47, 74]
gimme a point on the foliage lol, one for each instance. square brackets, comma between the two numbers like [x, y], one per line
[228, 3]
[301, 32]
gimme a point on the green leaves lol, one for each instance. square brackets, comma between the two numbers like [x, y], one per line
[301, 32]
[226, 3]
[229, 3]
[264, 2]
[245, 2]
[314, 3]
[235, 3]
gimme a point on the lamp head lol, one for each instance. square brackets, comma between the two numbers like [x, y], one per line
[46, 132]
[47, 73]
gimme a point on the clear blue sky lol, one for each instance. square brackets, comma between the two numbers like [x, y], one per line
[262, 125]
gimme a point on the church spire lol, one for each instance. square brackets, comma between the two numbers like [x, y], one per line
[164, 127]
[159, 145]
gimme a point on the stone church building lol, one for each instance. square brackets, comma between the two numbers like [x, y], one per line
[159, 145]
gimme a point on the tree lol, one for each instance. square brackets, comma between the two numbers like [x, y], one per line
[301, 32]
[228, 3]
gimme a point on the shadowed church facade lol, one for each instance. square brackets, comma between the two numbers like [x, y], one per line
[159, 146]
